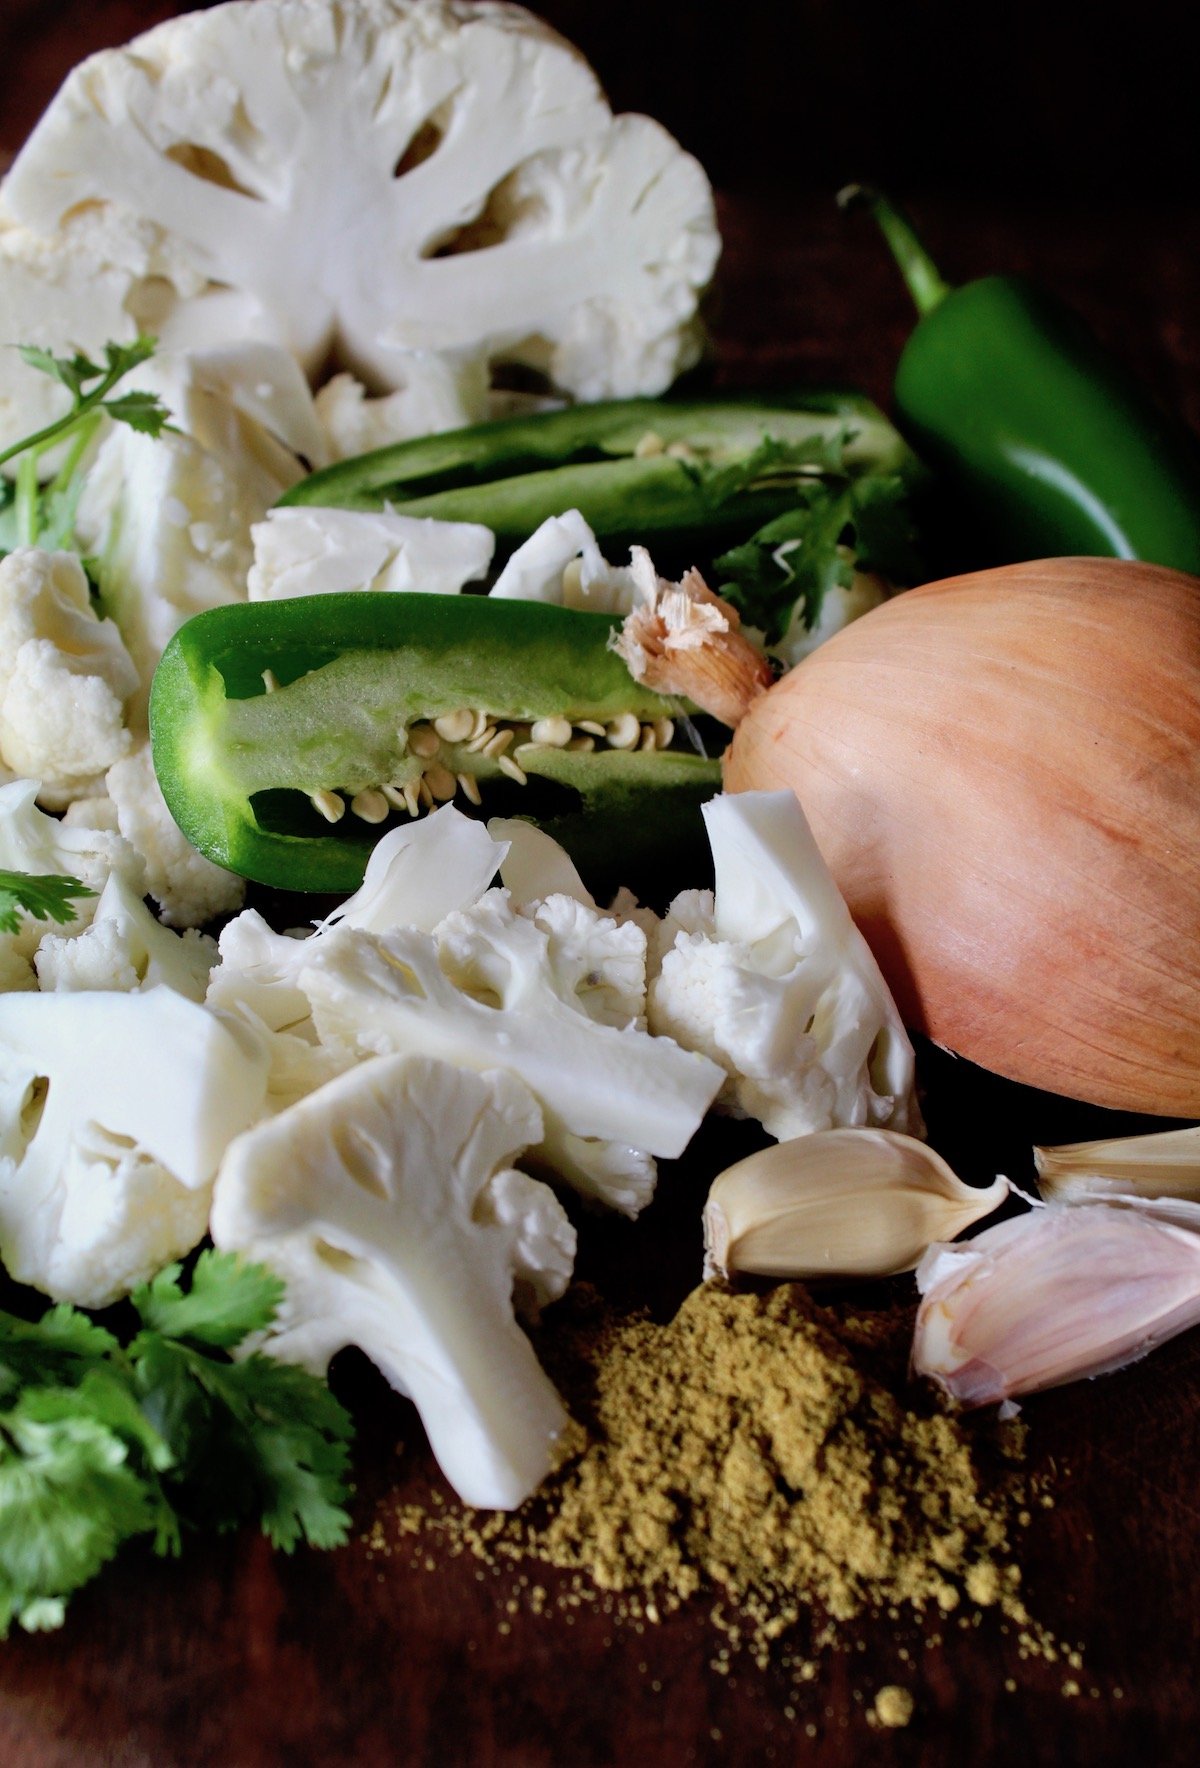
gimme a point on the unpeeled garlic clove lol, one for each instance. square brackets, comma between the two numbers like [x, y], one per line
[1165, 1164]
[840, 1203]
[1052, 1297]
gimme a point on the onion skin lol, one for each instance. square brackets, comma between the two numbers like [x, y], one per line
[1002, 771]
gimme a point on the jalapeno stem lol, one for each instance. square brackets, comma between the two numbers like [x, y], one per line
[921, 275]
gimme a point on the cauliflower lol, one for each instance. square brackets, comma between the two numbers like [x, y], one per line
[64, 677]
[188, 888]
[426, 189]
[561, 562]
[415, 875]
[321, 551]
[484, 992]
[535, 866]
[126, 949]
[387, 1203]
[773, 980]
[30, 841]
[115, 1110]
[168, 518]
[436, 397]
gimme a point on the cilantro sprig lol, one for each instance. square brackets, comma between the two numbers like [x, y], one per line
[44, 895]
[100, 1443]
[842, 520]
[44, 515]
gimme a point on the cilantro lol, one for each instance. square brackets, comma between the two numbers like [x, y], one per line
[99, 1444]
[36, 515]
[840, 523]
[45, 896]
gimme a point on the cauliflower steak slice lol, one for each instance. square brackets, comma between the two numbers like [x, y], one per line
[417, 189]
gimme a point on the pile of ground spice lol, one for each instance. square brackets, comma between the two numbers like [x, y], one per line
[756, 1447]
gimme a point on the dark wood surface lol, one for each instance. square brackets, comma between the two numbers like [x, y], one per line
[237, 1656]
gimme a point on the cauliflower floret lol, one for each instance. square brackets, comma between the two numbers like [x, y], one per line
[64, 677]
[483, 991]
[168, 518]
[125, 949]
[188, 888]
[601, 962]
[561, 562]
[773, 980]
[30, 841]
[438, 394]
[327, 551]
[115, 1110]
[415, 875]
[387, 1204]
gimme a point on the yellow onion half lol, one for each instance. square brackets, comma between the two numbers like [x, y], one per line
[1003, 773]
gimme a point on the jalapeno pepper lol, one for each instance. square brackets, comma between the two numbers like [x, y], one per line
[1006, 394]
[287, 735]
[639, 470]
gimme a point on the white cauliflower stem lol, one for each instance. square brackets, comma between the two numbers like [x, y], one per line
[115, 1110]
[776, 983]
[423, 188]
[387, 1203]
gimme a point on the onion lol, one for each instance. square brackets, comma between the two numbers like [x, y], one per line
[1003, 773]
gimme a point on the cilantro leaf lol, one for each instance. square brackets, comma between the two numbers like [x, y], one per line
[142, 411]
[229, 1299]
[48, 516]
[45, 896]
[838, 525]
[60, 1349]
[100, 1443]
[68, 1499]
[253, 1439]
[772, 462]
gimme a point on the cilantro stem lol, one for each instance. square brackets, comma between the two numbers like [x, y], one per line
[82, 407]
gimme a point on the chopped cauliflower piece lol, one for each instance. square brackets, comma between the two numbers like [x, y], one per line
[30, 841]
[439, 393]
[168, 518]
[387, 1203]
[484, 992]
[64, 677]
[774, 981]
[188, 888]
[415, 876]
[115, 1110]
[535, 866]
[125, 948]
[561, 562]
[306, 551]
[428, 189]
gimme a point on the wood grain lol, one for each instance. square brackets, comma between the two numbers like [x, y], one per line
[247, 1659]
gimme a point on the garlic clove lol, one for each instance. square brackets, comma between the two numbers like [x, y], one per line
[1165, 1164]
[840, 1203]
[1052, 1297]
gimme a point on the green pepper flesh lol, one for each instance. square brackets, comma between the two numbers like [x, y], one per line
[239, 765]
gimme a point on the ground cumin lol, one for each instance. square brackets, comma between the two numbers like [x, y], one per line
[755, 1448]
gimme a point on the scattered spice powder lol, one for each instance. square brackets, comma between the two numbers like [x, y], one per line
[754, 1448]
[893, 1707]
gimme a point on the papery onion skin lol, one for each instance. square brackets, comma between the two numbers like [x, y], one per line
[1002, 771]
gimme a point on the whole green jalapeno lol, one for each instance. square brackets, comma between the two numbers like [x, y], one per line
[287, 736]
[1053, 447]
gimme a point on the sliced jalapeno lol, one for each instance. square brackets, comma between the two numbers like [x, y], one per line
[638, 470]
[287, 736]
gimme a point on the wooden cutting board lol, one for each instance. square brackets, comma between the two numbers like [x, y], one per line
[239, 1657]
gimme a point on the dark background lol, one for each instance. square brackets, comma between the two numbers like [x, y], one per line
[1048, 139]
[1056, 103]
